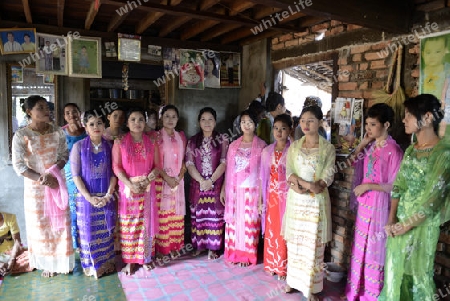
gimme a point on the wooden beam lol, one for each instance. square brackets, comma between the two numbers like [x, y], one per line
[116, 21]
[26, 10]
[173, 25]
[60, 12]
[236, 35]
[204, 5]
[236, 8]
[153, 17]
[202, 15]
[254, 38]
[386, 15]
[262, 12]
[218, 31]
[164, 42]
[92, 13]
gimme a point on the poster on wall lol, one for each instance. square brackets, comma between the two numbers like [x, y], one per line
[52, 54]
[347, 128]
[192, 67]
[17, 40]
[435, 72]
[171, 60]
[129, 47]
[212, 69]
[85, 57]
[230, 70]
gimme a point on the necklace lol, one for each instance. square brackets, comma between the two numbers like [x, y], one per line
[41, 131]
[96, 146]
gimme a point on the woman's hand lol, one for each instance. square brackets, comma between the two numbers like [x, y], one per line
[172, 182]
[143, 185]
[152, 176]
[6, 268]
[49, 180]
[400, 229]
[361, 189]
[222, 196]
[366, 140]
[317, 187]
[206, 184]
[96, 201]
[134, 187]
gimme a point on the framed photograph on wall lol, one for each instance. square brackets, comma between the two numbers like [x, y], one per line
[85, 57]
[192, 67]
[129, 47]
[212, 69]
[435, 73]
[17, 74]
[230, 70]
[17, 40]
[51, 54]
[48, 79]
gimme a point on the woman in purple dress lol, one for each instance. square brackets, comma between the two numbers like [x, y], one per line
[205, 160]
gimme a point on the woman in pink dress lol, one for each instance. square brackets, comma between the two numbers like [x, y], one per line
[274, 191]
[135, 158]
[170, 186]
[374, 176]
[241, 194]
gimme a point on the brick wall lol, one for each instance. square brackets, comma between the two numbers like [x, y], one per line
[367, 66]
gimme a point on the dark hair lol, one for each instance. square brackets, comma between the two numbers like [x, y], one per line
[273, 100]
[257, 108]
[295, 121]
[421, 104]
[10, 32]
[92, 113]
[170, 107]
[207, 110]
[382, 112]
[83, 47]
[251, 115]
[151, 112]
[72, 104]
[433, 39]
[31, 102]
[134, 110]
[214, 71]
[284, 118]
[26, 35]
[116, 109]
[315, 110]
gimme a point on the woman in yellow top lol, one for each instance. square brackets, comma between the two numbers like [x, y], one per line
[10, 243]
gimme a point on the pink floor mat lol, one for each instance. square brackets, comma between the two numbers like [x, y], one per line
[198, 279]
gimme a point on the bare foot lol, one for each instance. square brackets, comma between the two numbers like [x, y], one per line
[196, 253]
[48, 274]
[269, 273]
[283, 278]
[148, 266]
[128, 269]
[212, 255]
[174, 255]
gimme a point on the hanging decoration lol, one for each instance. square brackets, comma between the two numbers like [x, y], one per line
[125, 76]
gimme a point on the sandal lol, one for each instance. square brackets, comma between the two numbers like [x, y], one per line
[196, 253]
[244, 264]
[212, 255]
[148, 266]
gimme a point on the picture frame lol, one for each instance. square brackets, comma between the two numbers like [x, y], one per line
[191, 73]
[51, 54]
[230, 70]
[16, 74]
[129, 48]
[48, 79]
[85, 57]
[212, 69]
[13, 40]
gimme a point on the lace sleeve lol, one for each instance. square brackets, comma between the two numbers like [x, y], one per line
[75, 159]
[290, 159]
[63, 151]
[117, 159]
[224, 144]
[18, 153]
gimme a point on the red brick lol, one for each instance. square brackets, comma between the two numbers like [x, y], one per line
[363, 66]
[371, 56]
[275, 41]
[342, 61]
[377, 64]
[367, 94]
[415, 73]
[353, 27]
[341, 230]
[344, 68]
[378, 85]
[291, 43]
[359, 48]
[320, 27]
[285, 37]
[441, 259]
[278, 46]
[337, 30]
[381, 73]
[335, 23]
[357, 57]
[445, 238]
[352, 94]
[348, 86]
[338, 220]
[379, 46]
[364, 86]
[301, 34]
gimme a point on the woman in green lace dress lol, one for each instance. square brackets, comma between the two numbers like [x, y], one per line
[419, 204]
